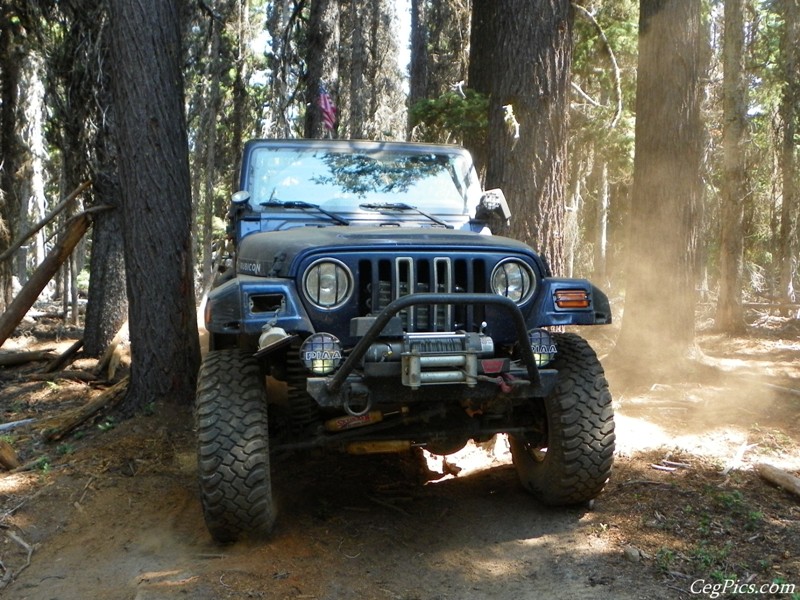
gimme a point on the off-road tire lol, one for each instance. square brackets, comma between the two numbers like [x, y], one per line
[233, 446]
[575, 464]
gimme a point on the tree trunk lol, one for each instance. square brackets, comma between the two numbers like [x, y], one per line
[787, 260]
[521, 55]
[730, 317]
[87, 119]
[11, 53]
[602, 206]
[239, 110]
[154, 177]
[658, 324]
[418, 68]
[208, 133]
[358, 63]
[107, 303]
[32, 176]
[439, 53]
[322, 60]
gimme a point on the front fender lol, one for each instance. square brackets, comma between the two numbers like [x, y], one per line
[243, 305]
[548, 311]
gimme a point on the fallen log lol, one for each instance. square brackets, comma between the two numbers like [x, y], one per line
[30, 291]
[781, 478]
[10, 359]
[61, 360]
[107, 399]
[14, 424]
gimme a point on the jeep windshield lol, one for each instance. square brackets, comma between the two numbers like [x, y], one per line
[343, 179]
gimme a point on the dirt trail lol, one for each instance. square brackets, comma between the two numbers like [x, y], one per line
[118, 516]
[345, 531]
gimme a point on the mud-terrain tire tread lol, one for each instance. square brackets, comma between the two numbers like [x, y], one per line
[580, 423]
[233, 446]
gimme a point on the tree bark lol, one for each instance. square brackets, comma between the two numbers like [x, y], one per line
[154, 175]
[107, 302]
[418, 68]
[658, 323]
[730, 316]
[521, 56]
[11, 53]
[358, 65]
[322, 60]
[786, 258]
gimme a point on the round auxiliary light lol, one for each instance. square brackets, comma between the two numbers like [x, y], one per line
[543, 346]
[328, 283]
[513, 279]
[321, 353]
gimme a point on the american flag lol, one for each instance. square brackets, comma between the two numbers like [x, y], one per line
[328, 108]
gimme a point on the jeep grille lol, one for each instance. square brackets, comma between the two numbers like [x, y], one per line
[383, 280]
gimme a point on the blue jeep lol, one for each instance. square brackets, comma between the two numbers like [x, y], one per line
[365, 280]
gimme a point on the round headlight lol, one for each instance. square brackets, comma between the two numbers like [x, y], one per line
[328, 283]
[513, 279]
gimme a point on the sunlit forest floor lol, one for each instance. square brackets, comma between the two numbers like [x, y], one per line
[111, 510]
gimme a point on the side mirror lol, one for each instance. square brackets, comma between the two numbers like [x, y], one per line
[240, 202]
[240, 198]
[493, 210]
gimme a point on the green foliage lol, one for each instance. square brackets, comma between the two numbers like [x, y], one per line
[665, 558]
[453, 116]
[42, 464]
[64, 449]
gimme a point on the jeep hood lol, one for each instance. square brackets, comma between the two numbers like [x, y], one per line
[273, 254]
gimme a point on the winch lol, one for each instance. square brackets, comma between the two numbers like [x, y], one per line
[434, 358]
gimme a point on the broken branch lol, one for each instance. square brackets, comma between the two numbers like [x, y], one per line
[53, 214]
[109, 398]
[59, 362]
[31, 290]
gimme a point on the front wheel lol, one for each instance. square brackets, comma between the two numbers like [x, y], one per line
[574, 462]
[233, 446]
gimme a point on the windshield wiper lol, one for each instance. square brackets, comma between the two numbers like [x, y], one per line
[402, 207]
[305, 206]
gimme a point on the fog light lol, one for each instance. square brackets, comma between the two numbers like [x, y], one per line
[543, 347]
[321, 353]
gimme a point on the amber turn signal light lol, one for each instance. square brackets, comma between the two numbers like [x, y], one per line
[572, 299]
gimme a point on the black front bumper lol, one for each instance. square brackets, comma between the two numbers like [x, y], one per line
[348, 383]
